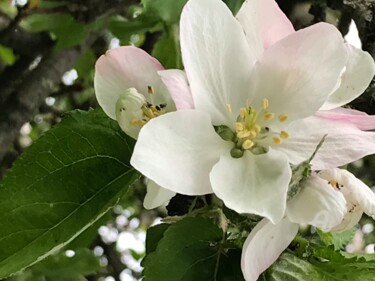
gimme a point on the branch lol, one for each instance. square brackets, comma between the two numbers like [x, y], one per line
[36, 86]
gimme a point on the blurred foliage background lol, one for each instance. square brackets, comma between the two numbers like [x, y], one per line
[48, 51]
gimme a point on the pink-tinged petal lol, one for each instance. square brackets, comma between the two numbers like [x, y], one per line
[358, 118]
[264, 23]
[359, 71]
[123, 68]
[216, 57]
[264, 245]
[178, 86]
[255, 184]
[177, 150]
[317, 204]
[344, 143]
[299, 72]
[156, 196]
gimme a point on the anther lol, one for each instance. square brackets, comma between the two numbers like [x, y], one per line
[284, 135]
[229, 108]
[283, 117]
[247, 144]
[257, 128]
[238, 126]
[277, 140]
[243, 134]
[253, 134]
[269, 116]
[150, 113]
[266, 104]
[150, 90]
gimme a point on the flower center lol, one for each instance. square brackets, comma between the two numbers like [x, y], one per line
[149, 110]
[132, 109]
[252, 131]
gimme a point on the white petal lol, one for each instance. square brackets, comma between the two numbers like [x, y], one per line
[360, 70]
[250, 20]
[350, 220]
[178, 87]
[264, 245]
[299, 72]
[216, 57]
[344, 143]
[129, 107]
[317, 204]
[123, 68]
[177, 151]
[156, 196]
[264, 24]
[255, 184]
[355, 191]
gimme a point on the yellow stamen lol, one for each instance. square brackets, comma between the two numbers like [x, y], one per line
[266, 104]
[150, 90]
[149, 113]
[284, 135]
[137, 122]
[257, 128]
[238, 126]
[269, 116]
[276, 140]
[283, 117]
[243, 134]
[253, 134]
[334, 184]
[247, 144]
[229, 108]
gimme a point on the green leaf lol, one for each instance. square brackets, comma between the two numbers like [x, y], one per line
[167, 10]
[190, 250]
[234, 5]
[60, 186]
[167, 50]
[123, 28]
[8, 8]
[7, 55]
[61, 267]
[338, 240]
[291, 268]
[85, 64]
[154, 235]
[65, 28]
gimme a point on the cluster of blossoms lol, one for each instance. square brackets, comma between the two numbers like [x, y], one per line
[254, 100]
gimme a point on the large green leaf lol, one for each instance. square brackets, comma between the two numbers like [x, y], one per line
[190, 250]
[60, 186]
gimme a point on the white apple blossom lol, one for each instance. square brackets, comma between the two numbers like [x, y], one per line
[332, 200]
[129, 90]
[255, 86]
